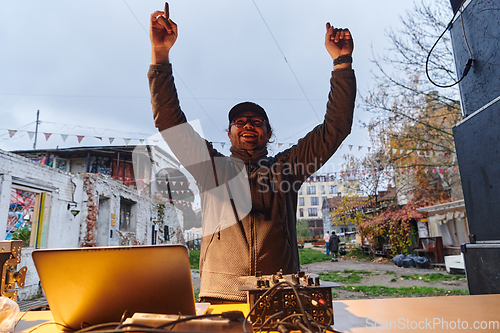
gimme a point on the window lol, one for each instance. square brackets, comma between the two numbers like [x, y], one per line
[333, 189]
[314, 201]
[28, 216]
[300, 191]
[311, 190]
[312, 211]
[322, 189]
[127, 215]
[301, 201]
[301, 212]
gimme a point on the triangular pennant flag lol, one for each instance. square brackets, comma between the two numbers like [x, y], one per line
[408, 152]
[111, 140]
[64, 137]
[156, 141]
[126, 141]
[401, 151]
[279, 144]
[80, 138]
[182, 183]
[222, 144]
[31, 135]
[369, 148]
[394, 151]
[350, 147]
[426, 170]
[455, 169]
[173, 183]
[440, 170]
[141, 141]
[98, 137]
[359, 148]
[433, 170]
[47, 136]
[12, 132]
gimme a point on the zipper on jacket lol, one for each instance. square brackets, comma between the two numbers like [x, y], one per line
[253, 255]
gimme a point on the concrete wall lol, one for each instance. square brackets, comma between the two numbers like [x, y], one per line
[104, 192]
[98, 199]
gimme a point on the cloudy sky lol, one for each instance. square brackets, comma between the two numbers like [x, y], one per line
[83, 64]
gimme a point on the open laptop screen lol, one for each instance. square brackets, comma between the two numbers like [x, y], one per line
[88, 286]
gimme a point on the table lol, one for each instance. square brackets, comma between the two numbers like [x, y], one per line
[417, 314]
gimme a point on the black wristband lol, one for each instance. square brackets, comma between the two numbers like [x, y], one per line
[342, 60]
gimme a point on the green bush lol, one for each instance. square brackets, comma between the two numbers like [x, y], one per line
[194, 259]
[23, 234]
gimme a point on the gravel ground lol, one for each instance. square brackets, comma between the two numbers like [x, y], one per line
[383, 272]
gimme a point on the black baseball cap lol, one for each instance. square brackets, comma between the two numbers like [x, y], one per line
[247, 106]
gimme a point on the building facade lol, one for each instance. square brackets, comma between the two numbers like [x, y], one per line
[48, 207]
[315, 190]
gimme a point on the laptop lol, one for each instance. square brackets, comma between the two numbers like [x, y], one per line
[89, 286]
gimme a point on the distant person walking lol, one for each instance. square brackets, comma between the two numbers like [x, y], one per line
[326, 237]
[334, 246]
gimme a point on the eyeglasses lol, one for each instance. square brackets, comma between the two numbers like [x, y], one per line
[254, 121]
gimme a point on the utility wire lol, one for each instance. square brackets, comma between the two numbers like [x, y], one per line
[176, 72]
[288, 64]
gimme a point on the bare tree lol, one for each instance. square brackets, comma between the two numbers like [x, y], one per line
[413, 120]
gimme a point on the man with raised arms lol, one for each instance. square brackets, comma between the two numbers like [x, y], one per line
[249, 199]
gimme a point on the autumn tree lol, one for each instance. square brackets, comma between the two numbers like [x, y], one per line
[413, 120]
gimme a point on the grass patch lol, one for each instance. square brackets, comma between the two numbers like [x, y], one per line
[390, 272]
[194, 259]
[434, 277]
[307, 256]
[346, 276]
[403, 291]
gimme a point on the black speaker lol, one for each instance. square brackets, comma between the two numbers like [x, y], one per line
[481, 24]
[482, 266]
[477, 141]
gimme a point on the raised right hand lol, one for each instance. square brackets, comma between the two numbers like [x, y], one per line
[163, 34]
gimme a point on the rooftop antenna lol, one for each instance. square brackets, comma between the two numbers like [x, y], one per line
[36, 128]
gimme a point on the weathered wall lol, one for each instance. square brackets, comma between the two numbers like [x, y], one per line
[145, 213]
[63, 187]
[95, 225]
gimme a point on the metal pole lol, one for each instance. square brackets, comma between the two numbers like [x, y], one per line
[36, 128]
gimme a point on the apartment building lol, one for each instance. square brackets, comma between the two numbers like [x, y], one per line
[315, 190]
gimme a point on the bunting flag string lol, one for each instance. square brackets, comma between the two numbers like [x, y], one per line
[427, 152]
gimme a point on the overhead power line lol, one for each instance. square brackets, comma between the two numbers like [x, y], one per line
[284, 57]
